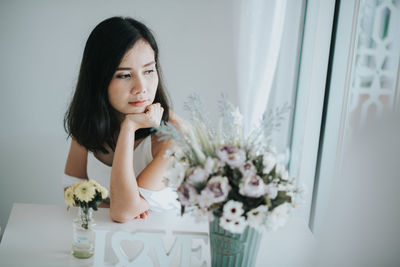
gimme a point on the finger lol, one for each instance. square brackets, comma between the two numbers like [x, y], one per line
[149, 107]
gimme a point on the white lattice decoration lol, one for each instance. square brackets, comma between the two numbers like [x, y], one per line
[158, 248]
[374, 75]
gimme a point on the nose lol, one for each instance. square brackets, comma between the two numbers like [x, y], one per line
[139, 86]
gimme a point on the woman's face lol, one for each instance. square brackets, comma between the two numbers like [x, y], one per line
[134, 83]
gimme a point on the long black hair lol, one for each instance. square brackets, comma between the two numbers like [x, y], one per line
[90, 118]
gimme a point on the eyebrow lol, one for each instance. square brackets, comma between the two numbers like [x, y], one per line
[127, 68]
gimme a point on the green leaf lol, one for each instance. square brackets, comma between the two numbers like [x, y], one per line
[182, 210]
[280, 199]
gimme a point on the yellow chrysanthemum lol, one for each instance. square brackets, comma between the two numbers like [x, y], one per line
[104, 192]
[69, 196]
[85, 191]
[94, 183]
[75, 185]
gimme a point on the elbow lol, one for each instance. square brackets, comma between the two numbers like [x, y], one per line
[127, 214]
[120, 218]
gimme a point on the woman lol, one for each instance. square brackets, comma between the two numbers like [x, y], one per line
[119, 98]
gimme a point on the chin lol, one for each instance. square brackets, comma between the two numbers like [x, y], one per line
[136, 110]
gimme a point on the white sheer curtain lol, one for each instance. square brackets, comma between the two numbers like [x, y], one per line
[261, 24]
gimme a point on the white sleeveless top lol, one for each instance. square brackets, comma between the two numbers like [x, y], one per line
[158, 200]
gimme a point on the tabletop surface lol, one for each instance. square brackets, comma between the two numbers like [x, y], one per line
[41, 235]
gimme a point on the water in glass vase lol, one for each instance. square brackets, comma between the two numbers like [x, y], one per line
[83, 235]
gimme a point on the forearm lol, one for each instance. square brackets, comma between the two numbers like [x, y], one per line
[125, 201]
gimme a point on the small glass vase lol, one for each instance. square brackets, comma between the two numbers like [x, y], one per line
[229, 249]
[83, 234]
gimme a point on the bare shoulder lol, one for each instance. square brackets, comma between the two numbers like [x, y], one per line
[76, 161]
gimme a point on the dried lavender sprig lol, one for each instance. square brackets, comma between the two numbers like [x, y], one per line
[271, 121]
[226, 110]
[197, 113]
[187, 140]
[206, 141]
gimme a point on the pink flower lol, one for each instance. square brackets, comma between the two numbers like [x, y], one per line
[248, 169]
[187, 194]
[217, 190]
[206, 199]
[252, 186]
[198, 175]
[232, 156]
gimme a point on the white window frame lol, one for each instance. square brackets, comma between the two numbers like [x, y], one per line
[310, 97]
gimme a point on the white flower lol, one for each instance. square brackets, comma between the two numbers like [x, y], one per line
[198, 175]
[216, 190]
[235, 226]
[248, 169]
[168, 153]
[232, 156]
[282, 172]
[187, 194]
[298, 194]
[203, 215]
[175, 174]
[256, 217]
[174, 152]
[272, 191]
[302, 190]
[288, 187]
[252, 186]
[274, 180]
[233, 209]
[269, 162]
[206, 199]
[278, 217]
[237, 117]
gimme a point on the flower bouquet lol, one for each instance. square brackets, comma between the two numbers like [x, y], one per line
[87, 195]
[235, 182]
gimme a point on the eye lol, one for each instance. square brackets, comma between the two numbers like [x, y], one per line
[148, 71]
[123, 75]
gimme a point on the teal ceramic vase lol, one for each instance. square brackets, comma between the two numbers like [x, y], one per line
[234, 250]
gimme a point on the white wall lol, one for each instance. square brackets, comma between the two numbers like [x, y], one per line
[40, 52]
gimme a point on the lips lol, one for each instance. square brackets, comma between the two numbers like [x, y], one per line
[138, 103]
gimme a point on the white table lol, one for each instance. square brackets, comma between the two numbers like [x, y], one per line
[41, 235]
